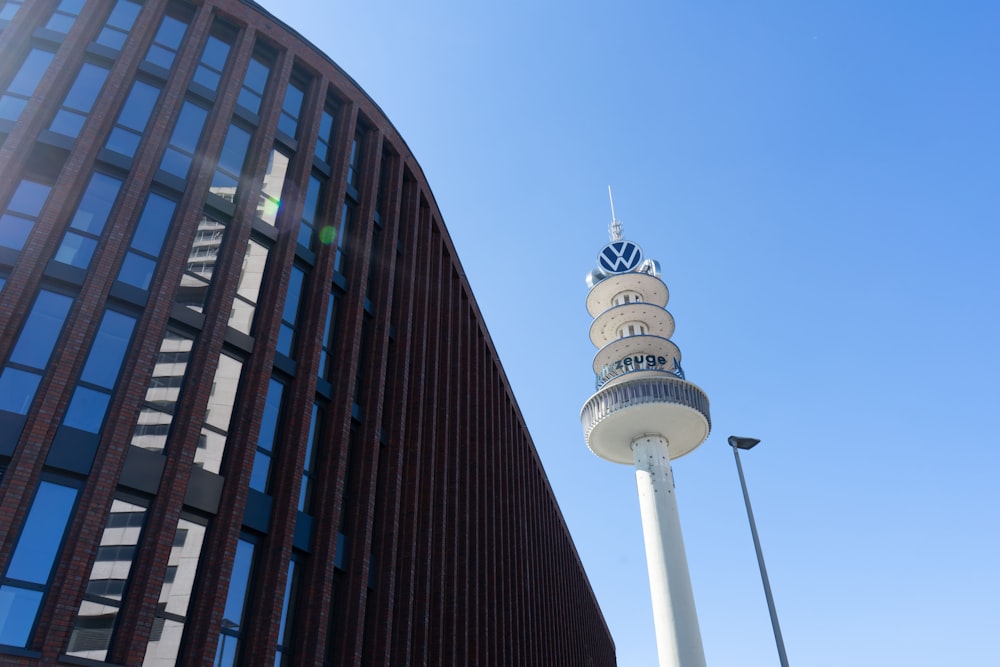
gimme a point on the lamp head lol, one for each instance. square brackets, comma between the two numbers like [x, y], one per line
[742, 443]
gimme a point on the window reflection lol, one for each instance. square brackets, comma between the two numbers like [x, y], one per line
[286, 625]
[9, 8]
[290, 312]
[136, 112]
[64, 15]
[254, 81]
[226, 179]
[88, 222]
[147, 241]
[323, 141]
[329, 337]
[153, 425]
[79, 100]
[247, 290]
[267, 438]
[175, 594]
[232, 617]
[212, 445]
[305, 491]
[41, 329]
[90, 400]
[270, 191]
[288, 121]
[119, 22]
[31, 564]
[24, 206]
[96, 617]
[311, 211]
[201, 262]
[167, 41]
[184, 140]
[23, 85]
[213, 61]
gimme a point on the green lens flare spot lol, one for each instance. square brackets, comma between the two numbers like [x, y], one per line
[327, 235]
[270, 209]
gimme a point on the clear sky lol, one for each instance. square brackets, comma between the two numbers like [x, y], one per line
[821, 184]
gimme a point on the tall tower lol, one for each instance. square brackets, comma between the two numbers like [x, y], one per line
[645, 413]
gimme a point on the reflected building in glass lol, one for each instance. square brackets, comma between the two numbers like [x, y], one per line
[249, 411]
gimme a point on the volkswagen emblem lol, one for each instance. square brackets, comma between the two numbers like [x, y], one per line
[619, 257]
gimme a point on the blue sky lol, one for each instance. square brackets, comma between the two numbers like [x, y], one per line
[821, 184]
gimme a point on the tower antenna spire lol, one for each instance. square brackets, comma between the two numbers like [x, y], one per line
[615, 228]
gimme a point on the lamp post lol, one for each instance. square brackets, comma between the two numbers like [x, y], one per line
[738, 443]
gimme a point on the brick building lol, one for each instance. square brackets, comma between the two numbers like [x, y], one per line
[249, 411]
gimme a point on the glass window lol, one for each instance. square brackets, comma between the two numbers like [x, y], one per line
[184, 140]
[31, 564]
[89, 404]
[41, 329]
[346, 218]
[76, 250]
[287, 613]
[232, 616]
[325, 138]
[353, 167]
[167, 42]
[9, 8]
[147, 241]
[119, 23]
[164, 387]
[87, 409]
[175, 594]
[96, 617]
[329, 337]
[137, 271]
[212, 444]
[138, 108]
[305, 491]
[270, 191]
[234, 153]
[79, 100]
[24, 207]
[290, 313]
[23, 85]
[29, 198]
[311, 211]
[64, 15]
[88, 222]
[14, 231]
[267, 438]
[17, 388]
[254, 82]
[248, 288]
[108, 351]
[213, 61]
[288, 121]
[153, 225]
[204, 252]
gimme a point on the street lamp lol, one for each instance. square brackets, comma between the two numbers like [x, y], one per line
[738, 443]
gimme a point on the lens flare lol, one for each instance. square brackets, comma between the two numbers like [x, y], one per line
[327, 235]
[270, 208]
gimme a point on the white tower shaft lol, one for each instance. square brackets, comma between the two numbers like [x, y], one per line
[678, 637]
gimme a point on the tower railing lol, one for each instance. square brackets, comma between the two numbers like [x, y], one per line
[667, 389]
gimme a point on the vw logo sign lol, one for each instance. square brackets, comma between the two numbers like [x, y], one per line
[619, 257]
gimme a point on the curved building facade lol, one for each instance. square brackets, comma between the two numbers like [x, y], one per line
[249, 410]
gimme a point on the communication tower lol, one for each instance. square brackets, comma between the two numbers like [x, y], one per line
[645, 413]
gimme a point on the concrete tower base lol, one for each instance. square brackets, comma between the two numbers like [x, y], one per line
[678, 637]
